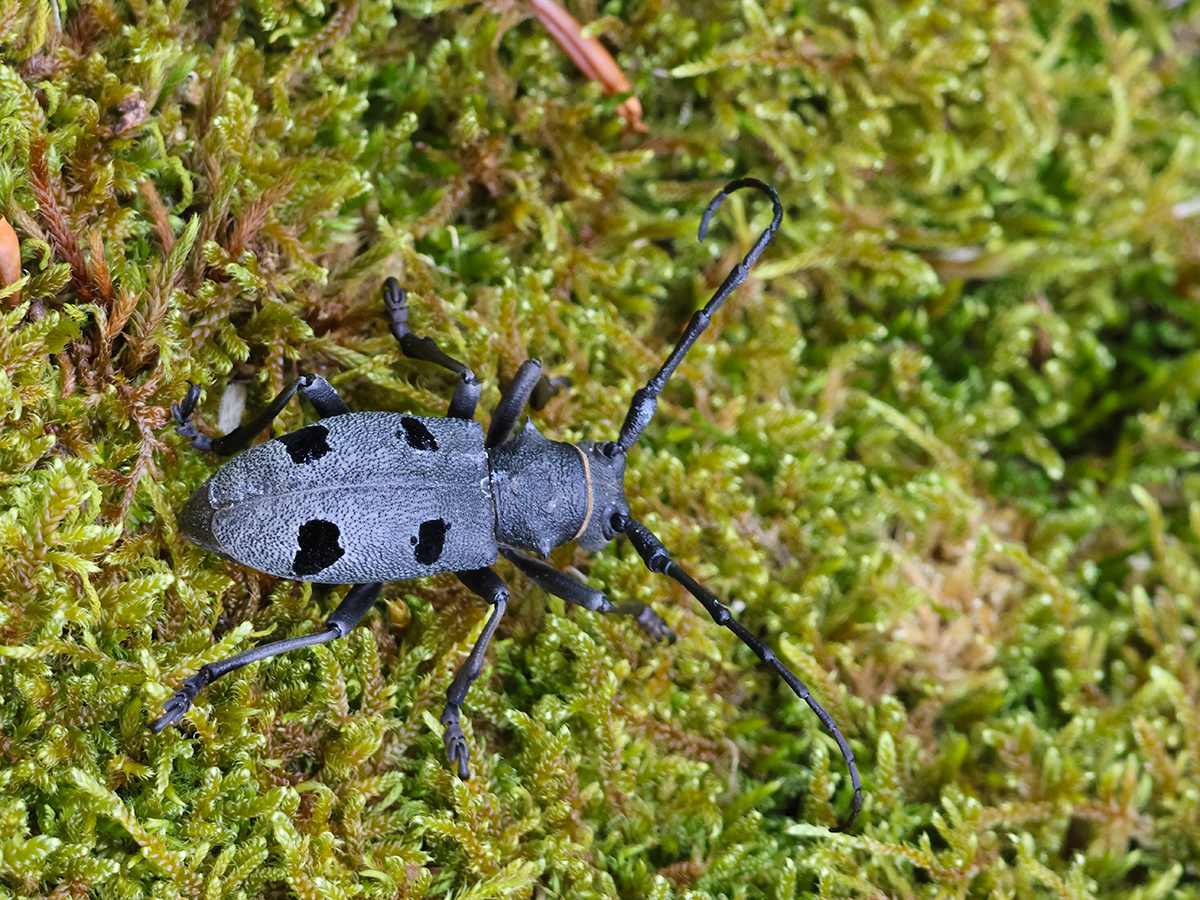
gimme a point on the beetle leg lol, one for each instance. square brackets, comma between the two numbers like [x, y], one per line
[488, 585]
[529, 386]
[512, 402]
[466, 392]
[315, 389]
[547, 389]
[657, 559]
[560, 584]
[341, 622]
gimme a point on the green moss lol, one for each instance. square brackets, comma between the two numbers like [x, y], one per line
[942, 446]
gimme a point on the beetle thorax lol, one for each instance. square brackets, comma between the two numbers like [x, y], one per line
[549, 493]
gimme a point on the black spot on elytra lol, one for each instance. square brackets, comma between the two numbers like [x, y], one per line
[418, 436]
[429, 541]
[306, 445]
[319, 547]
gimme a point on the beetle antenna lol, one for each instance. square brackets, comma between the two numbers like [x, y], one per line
[658, 559]
[645, 401]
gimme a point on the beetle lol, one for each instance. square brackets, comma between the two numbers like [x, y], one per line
[364, 498]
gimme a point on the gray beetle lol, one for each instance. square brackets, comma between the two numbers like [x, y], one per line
[363, 498]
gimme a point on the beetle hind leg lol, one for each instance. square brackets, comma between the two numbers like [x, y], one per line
[358, 601]
[315, 389]
[560, 584]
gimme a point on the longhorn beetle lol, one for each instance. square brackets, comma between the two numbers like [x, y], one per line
[363, 498]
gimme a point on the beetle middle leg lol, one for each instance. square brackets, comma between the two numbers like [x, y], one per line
[561, 585]
[466, 392]
[529, 385]
[343, 620]
[491, 587]
[315, 389]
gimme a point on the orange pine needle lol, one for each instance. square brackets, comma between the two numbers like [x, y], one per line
[10, 260]
[590, 56]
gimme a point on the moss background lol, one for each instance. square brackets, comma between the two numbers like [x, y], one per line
[942, 447]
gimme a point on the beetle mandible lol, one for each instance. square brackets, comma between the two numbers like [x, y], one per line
[363, 498]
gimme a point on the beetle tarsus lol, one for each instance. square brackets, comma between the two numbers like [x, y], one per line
[547, 389]
[395, 301]
[183, 410]
[651, 623]
[182, 413]
[198, 441]
[180, 702]
[456, 743]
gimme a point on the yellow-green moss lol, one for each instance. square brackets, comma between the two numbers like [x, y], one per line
[942, 448]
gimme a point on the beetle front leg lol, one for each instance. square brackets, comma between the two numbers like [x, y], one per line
[315, 389]
[488, 585]
[560, 584]
[529, 386]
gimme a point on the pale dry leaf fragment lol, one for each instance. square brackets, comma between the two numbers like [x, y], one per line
[590, 56]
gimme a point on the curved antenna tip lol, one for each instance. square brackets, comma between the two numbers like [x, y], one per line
[855, 809]
[735, 185]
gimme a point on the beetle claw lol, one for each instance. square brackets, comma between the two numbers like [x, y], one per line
[650, 622]
[182, 413]
[173, 711]
[456, 748]
[180, 702]
[655, 627]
